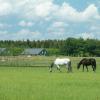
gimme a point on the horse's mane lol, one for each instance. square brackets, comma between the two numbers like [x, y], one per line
[87, 59]
[83, 59]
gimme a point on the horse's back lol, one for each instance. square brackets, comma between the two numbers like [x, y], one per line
[88, 61]
[62, 61]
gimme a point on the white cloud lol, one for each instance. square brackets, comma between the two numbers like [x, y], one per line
[27, 32]
[23, 34]
[25, 24]
[56, 19]
[43, 9]
[33, 9]
[59, 24]
[4, 25]
[4, 35]
[57, 28]
[3, 32]
[66, 12]
[5, 8]
[95, 28]
[46, 9]
[87, 35]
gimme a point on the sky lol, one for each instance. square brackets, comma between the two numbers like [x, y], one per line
[49, 19]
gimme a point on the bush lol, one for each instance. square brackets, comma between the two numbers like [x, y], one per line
[53, 51]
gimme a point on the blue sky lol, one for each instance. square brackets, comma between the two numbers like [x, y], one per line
[49, 19]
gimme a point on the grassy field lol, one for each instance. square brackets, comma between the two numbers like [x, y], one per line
[37, 83]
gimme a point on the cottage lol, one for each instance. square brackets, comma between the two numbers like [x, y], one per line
[3, 51]
[34, 51]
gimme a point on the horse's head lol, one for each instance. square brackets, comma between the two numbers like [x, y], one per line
[78, 65]
[81, 62]
[52, 64]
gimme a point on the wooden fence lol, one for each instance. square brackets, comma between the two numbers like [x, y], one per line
[24, 61]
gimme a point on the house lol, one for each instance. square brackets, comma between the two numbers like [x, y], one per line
[3, 51]
[34, 51]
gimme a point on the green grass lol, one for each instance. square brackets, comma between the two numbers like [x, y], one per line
[37, 83]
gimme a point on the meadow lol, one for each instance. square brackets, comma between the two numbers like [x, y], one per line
[23, 78]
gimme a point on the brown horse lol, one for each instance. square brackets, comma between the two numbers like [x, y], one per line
[86, 62]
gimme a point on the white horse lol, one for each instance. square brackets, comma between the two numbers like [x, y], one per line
[64, 61]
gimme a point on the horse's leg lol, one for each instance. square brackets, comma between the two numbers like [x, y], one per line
[93, 68]
[87, 68]
[50, 69]
[83, 68]
[58, 67]
[69, 67]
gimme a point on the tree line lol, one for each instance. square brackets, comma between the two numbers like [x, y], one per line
[69, 46]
